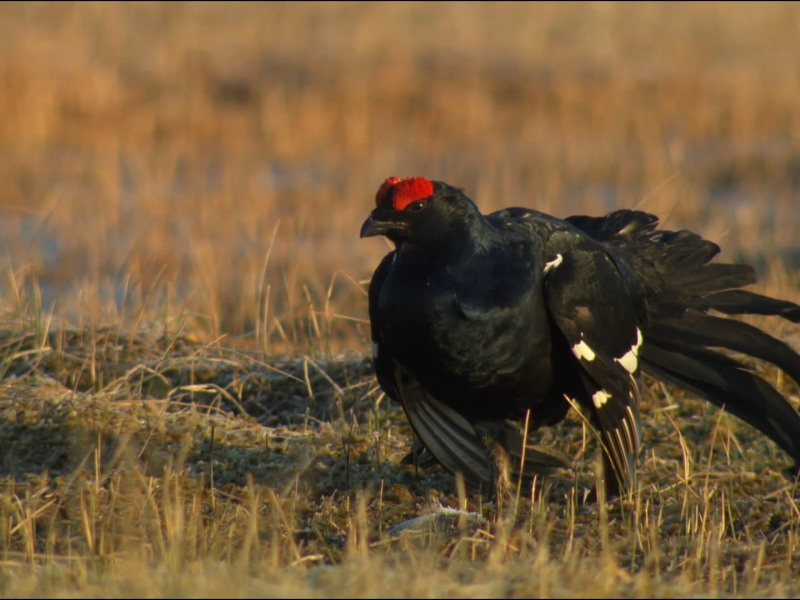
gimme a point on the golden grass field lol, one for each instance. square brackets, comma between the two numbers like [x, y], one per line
[187, 402]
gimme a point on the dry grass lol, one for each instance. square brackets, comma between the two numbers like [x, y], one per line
[184, 405]
[152, 465]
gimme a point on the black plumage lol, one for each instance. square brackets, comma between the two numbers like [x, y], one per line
[479, 320]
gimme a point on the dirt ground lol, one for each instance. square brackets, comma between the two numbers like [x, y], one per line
[187, 402]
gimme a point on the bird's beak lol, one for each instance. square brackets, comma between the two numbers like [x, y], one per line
[382, 221]
[372, 227]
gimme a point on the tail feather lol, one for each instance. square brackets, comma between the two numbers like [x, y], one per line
[742, 302]
[679, 341]
[712, 376]
[687, 250]
[705, 330]
[712, 278]
[620, 226]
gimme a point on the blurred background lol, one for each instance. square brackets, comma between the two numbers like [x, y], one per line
[213, 162]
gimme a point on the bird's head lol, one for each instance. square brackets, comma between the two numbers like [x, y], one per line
[419, 211]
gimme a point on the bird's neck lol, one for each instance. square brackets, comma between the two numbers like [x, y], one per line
[461, 239]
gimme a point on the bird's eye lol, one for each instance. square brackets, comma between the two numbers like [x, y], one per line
[416, 206]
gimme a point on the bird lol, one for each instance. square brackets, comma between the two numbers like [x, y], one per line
[487, 327]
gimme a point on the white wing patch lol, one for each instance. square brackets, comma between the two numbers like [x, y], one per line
[553, 263]
[375, 350]
[630, 361]
[600, 398]
[582, 350]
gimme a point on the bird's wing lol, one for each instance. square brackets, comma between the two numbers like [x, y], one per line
[537, 460]
[448, 436]
[588, 300]
[458, 447]
[384, 365]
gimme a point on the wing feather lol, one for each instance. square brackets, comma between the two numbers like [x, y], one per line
[589, 302]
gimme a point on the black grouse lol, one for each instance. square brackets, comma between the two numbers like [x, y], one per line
[482, 321]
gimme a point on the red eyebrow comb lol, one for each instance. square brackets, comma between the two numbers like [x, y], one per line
[406, 191]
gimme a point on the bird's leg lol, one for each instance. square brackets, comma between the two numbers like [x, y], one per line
[500, 464]
[609, 479]
[416, 458]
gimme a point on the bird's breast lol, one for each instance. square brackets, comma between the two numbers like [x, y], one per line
[469, 345]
